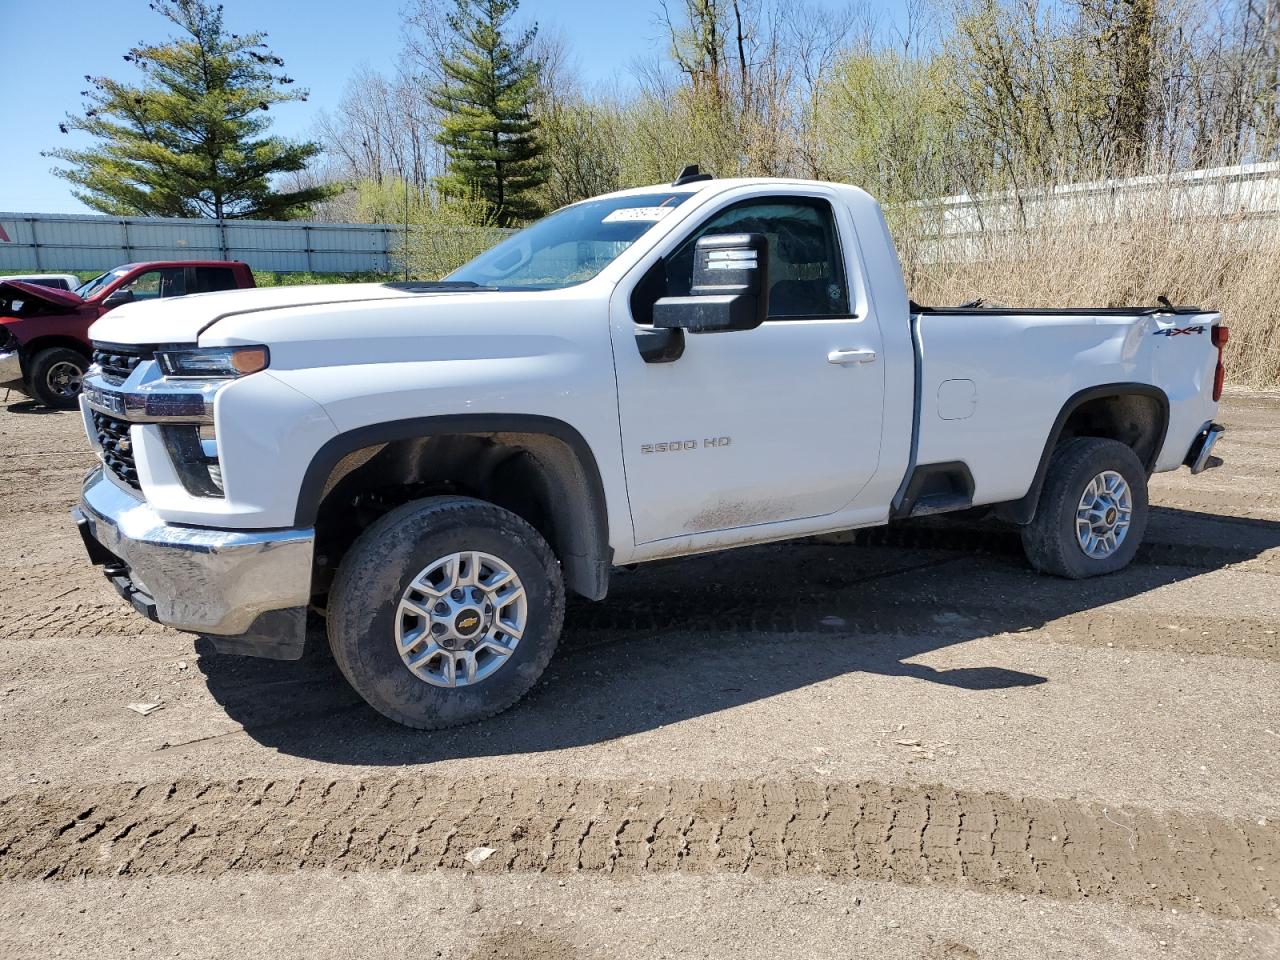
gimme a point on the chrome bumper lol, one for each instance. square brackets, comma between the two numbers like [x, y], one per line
[157, 401]
[10, 369]
[248, 590]
[1199, 457]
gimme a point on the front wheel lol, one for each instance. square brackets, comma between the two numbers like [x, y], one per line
[445, 611]
[56, 377]
[1092, 512]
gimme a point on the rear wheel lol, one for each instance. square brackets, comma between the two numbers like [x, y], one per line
[445, 611]
[56, 377]
[1092, 512]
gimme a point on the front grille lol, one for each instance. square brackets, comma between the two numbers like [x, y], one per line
[118, 361]
[117, 448]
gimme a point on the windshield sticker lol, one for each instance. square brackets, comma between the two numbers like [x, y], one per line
[640, 214]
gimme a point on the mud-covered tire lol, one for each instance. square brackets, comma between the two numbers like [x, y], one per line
[1050, 540]
[48, 381]
[364, 603]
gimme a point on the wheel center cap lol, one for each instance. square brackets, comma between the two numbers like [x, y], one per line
[467, 623]
[1110, 516]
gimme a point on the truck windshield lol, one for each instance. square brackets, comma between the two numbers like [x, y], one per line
[570, 246]
[89, 288]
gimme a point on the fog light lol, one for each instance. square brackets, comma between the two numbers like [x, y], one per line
[194, 452]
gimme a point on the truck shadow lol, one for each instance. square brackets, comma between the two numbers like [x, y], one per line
[686, 638]
[29, 407]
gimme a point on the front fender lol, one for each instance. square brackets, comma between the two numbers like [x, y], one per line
[267, 434]
[581, 509]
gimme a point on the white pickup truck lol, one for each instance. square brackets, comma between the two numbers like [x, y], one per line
[656, 372]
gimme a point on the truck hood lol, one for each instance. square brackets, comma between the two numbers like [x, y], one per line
[183, 319]
[17, 290]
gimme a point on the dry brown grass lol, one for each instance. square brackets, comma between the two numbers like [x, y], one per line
[1086, 256]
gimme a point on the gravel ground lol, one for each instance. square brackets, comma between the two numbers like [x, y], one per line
[898, 744]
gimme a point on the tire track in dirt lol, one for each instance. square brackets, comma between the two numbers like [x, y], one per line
[76, 613]
[917, 835]
[621, 622]
[595, 626]
[969, 540]
[80, 619]
[70, 599]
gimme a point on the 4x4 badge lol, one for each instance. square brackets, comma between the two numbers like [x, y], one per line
[1178, 331]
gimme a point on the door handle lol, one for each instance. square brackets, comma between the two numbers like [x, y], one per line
[847, 358]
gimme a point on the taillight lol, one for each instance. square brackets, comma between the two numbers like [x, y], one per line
[1220, 337]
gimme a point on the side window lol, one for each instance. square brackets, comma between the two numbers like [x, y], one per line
[209, 279]
[806, 270]
[169, 282]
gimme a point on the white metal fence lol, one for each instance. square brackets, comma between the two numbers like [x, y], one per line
[47, 241]
[35, 241]
[1243, 194]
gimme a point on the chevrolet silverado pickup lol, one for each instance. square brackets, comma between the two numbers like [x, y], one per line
[652, 373]
[44, 342]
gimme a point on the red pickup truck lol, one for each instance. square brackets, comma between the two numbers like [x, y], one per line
[44, 333]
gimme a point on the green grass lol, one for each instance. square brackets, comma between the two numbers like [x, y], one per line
[268, 279]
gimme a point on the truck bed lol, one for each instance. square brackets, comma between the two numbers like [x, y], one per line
[987, 388]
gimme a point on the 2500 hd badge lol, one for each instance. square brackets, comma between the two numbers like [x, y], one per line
[676, 445]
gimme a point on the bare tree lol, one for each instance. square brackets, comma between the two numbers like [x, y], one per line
[745, 75]
[381, 128]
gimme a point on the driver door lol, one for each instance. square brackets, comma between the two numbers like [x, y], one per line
[758, 426]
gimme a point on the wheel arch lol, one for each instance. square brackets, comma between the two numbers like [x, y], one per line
[539, 467]
[1136, 414]
[28, 350]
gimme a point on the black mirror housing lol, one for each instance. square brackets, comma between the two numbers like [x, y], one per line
[730, 287]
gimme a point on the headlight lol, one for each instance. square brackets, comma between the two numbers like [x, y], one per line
[213, 362]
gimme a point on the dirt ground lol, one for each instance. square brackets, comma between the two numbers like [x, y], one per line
[888, 746]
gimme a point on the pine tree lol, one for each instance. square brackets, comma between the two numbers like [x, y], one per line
[190, 140]
[486, 94]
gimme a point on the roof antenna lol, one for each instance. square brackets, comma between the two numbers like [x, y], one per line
[690, 174]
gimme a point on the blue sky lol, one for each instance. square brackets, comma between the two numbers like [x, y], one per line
[321, 41]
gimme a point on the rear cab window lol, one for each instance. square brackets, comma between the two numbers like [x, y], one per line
[211, 279]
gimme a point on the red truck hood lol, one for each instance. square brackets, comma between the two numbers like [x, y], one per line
[29, 291]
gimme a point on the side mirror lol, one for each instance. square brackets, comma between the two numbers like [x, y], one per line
[117, 298]
[730, 287]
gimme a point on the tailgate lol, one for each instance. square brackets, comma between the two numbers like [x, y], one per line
[1188, 366]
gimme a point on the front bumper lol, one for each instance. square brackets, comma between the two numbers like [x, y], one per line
[10, 368]
[247, 590]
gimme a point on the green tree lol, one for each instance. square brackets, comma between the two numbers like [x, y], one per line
[190, 140]
[488, 87]
[1123, 36]
[882, 122]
